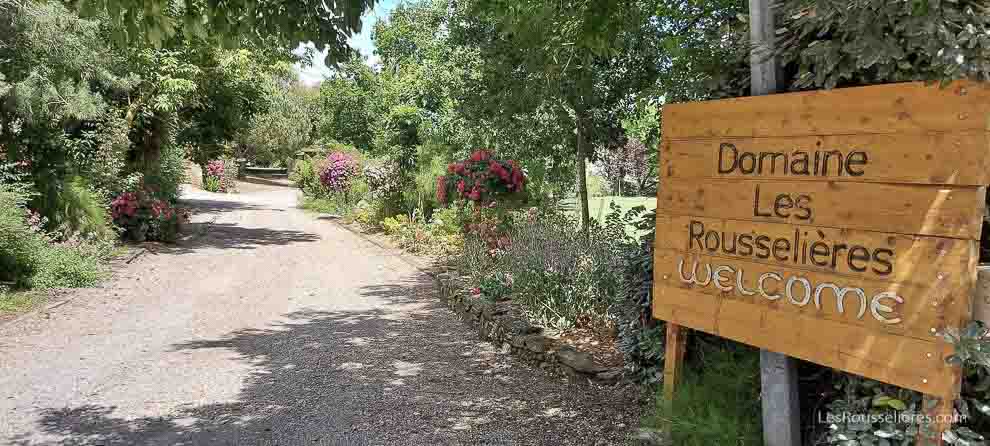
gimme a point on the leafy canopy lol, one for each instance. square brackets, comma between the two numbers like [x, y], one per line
[328, 23]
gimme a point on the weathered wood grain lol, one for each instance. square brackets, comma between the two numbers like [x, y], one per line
[894, 108]
[916, 260]
[927, 307]
[946, 158]
[673, 366]
[955, 212]
[902, 361]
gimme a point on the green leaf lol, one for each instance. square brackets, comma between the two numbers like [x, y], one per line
[896, 404]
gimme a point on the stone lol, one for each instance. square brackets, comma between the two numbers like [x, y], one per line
[536, 343]
[647, 436]
[610, 376]
[518, 341]
[580, 362]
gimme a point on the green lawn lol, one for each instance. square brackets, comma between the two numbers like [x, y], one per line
[601, 206]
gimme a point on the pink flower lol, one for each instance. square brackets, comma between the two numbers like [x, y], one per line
[339, 171]
[475, 194]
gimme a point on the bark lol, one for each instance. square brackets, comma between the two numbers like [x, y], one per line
[582, 176]
[151, 152]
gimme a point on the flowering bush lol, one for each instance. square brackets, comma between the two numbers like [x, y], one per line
[383, 179]
[215, 168]
[338, 172]
[481, 179]
[143, 217]
[221, 176]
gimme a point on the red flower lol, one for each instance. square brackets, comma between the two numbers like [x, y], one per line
[442, 189]
[475, 194]
[460, 187]
[480, 155]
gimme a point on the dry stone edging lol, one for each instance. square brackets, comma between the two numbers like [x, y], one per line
[497, 324]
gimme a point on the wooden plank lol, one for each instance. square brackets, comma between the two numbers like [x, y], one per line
[909, 259]
[893, 108]
[925, 307]
[911, 158]
[911, 363]
[904, 209]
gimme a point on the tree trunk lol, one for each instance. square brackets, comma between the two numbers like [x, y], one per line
[152, 153]
[582, 177]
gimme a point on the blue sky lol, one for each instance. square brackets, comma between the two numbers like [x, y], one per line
[361, 42]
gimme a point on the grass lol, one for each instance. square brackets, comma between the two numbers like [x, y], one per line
[13, 302]
[327, 206]
[717, 403]
[600, 206]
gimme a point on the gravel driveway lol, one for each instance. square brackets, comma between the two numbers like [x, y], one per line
[270, 326]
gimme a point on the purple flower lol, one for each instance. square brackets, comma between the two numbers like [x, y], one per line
[338, 172]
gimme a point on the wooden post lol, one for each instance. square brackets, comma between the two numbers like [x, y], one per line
[940, 412]
[778, 373]
[673, 361]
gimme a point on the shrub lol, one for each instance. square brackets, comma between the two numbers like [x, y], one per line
[641, 338]
[19, 244]
[306, 176]
[29, 258]
[413, 234]
[339, 172]
[164, 184]
[144, 217]
[481, 179]
[340, 203]
[82, 211]
[383, 179]
[220, 175]
[561, 277]
[66, 266]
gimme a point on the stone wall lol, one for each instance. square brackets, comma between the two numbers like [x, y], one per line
[503, 324]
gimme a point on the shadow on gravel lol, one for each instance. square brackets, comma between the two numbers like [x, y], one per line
[219, 206]
[403, 371]
[199, 236]
[232, 236]
[276, 182]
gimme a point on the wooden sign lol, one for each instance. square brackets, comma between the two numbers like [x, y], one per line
[840, 227]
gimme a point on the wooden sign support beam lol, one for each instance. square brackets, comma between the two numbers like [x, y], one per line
[778, 372]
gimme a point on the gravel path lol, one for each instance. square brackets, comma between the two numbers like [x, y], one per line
[272, 327]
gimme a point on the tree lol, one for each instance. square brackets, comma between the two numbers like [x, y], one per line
[344, 104]
[232, 91]
[329, 24]
[283, 129]
[578, 61]
[629, 169]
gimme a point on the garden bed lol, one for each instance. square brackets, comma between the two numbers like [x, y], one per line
[582, 354]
